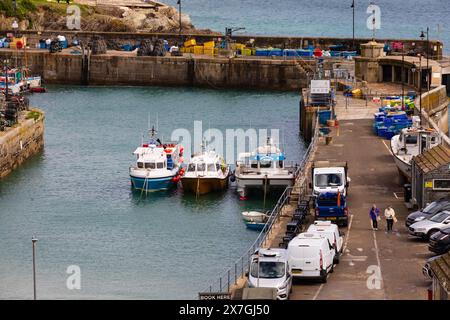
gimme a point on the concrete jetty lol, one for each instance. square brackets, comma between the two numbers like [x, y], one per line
[374, 180]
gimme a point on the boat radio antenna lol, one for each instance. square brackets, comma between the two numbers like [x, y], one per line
[152, 132]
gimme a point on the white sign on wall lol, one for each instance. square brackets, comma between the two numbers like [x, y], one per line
[320, 86]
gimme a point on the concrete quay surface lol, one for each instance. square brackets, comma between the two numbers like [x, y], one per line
[375, 265]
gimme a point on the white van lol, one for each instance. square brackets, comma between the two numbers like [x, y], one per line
[330, 176]
[334, 236]
[269, 268]
[311, 255]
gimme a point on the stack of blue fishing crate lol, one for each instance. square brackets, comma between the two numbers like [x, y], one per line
[388, 123]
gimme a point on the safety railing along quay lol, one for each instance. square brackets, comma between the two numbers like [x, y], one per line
[230, 276]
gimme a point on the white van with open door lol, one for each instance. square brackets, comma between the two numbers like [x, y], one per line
[311, 255]
[334, 236]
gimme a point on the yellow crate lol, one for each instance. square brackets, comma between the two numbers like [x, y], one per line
[190, 43]
[198, 49]
[246, 52]
[209, 44]
[240, 46]
[208, 51]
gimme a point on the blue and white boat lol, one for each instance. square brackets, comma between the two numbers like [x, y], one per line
[158, 165]
[264, 169]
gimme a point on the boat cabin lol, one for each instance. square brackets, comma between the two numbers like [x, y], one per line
[421, 139]
[155, 157]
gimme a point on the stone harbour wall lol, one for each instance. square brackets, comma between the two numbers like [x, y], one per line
[21, 142]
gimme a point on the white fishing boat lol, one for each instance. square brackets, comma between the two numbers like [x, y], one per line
[410, 143]
[263, 169]
[206, 172]
[158, 165]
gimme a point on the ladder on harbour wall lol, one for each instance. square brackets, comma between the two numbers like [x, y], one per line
[85, 65]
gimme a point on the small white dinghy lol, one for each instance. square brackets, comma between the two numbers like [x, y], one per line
[254, 216]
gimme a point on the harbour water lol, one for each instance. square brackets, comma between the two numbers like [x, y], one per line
[76, 198]
[327, 18]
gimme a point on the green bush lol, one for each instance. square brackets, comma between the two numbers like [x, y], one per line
[33, 115]
[23, 7]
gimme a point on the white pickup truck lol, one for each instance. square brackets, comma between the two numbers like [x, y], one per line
[329, 176]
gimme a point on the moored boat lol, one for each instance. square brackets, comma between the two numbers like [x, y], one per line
[206, 172]
[264, 169]
[410, 143]
[254, 216]
[18, 81]
[158, 165]
[257, 226]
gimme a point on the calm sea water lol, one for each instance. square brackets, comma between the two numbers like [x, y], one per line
[76, 197]
[399, 18]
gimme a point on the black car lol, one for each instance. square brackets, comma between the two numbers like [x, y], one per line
[429, 211]
[440, 241]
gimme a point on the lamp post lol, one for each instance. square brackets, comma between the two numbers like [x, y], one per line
[422, 36]
[34, 240]
[403, 76]
[353, 7]
[179, 17]
[420, 88]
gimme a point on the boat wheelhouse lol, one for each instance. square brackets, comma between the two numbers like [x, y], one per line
[206, 172]
[410, 143]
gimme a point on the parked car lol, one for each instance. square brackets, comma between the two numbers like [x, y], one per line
[311, 255]
[426, 228]
[426, 269]
[428, 211]
[440, 241]
[270, 269]
[331, 231]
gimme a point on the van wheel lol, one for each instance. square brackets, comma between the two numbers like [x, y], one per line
[337, 258]
[323, 277]
[332, 267]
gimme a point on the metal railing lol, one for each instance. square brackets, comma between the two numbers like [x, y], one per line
[230, 276]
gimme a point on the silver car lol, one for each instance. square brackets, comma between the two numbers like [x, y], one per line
[426, 228]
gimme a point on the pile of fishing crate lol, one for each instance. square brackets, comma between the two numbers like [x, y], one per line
[389, 121]
[10, 109]
[295, 226]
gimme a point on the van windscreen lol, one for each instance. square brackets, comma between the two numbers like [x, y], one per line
[268, 269]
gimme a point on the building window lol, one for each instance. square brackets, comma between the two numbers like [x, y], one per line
[441, 184]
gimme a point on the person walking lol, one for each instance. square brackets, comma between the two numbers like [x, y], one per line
[374, 214]
[389, 214]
